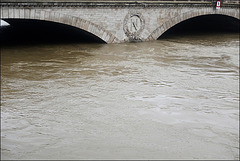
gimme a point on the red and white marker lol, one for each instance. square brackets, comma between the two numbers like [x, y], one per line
[218, 5]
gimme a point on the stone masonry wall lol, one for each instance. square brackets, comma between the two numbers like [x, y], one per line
[113, 24]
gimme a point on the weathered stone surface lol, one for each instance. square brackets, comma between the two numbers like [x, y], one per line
[27, 13]
[32, 14]
[108, 23]
[5, 13]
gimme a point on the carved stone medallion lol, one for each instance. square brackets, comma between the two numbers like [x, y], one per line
[133, 26]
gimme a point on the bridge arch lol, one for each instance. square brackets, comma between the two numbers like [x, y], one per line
[36, 14]
[163, 27]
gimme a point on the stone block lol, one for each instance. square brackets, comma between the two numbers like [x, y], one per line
[155, 34]
[78, 23]
[21, 13]
[27, 13]
[164, 27]
[91, 28]
[56, 17]
[100, 33]
[111, 38]
[37, 14]
[85, 26]
[5, 13]
[32, 14]
[104, 35]
[47, 16]
[10, 12]
[74, 21]
[42, 15]
[51, 16]
[1, 12]
[237, 14]
[106, 38]
[14, 13]
[64, 19]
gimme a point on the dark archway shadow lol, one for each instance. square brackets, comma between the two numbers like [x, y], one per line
[206, 24]
[29, 32]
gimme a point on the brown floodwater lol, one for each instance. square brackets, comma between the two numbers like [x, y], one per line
[175, 98]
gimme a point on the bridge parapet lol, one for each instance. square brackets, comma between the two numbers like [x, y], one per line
[128, 4]
[125, 4]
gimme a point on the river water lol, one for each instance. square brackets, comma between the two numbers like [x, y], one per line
[175, 98]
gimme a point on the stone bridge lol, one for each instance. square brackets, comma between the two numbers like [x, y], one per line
[118, 21]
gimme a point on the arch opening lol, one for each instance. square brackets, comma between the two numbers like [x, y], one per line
[29, 31]
[204, 24]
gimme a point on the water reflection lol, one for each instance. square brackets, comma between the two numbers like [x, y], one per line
[166, 99]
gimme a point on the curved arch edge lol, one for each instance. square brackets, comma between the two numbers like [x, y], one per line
[185, 16]
[36, 14]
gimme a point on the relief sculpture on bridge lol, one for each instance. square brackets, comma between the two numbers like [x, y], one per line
[133, 25]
